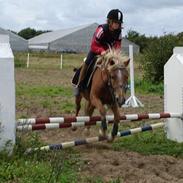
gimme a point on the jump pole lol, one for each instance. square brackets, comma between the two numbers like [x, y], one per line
[95, 139]
[67, 119]
[124, 118]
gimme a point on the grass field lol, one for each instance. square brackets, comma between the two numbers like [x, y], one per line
[44, 89]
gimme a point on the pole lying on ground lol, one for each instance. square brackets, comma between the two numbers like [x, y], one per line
[95, 139]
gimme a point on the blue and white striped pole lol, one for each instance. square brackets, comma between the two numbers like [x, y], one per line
[95, 139]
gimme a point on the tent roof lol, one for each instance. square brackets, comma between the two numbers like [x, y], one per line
[54, 35]
[11, 34]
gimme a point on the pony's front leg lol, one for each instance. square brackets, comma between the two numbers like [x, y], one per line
[98, 104]
[103, 130]
[116, 121]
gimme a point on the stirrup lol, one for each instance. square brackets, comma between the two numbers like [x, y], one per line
[80, 86]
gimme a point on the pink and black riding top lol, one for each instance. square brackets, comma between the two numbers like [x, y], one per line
[102, 39]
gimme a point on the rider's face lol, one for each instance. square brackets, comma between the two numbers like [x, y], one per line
[115, 26]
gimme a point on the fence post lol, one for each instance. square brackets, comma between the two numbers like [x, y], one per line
[28, 60]
[61, 61]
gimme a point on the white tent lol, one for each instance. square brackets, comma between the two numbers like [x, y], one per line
[75, 39]
[17, 43]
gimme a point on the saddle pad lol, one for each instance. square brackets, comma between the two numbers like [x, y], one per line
[88, 77]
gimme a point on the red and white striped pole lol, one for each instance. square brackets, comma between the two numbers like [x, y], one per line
[52, 123]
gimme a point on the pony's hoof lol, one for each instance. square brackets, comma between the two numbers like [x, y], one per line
[74, 128]
[110, 138]
[102, 133]
[87, 131]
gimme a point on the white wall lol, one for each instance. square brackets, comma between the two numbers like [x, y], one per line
[7, 94]
[173, 94]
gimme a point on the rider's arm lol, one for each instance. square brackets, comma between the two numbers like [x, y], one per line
[117, 43]
[96, 44]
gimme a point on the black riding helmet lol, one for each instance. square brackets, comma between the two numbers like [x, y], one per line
[115, 15]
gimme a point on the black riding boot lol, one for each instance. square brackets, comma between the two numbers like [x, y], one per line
[81, 77]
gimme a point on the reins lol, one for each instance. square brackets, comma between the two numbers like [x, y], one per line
[109, 85]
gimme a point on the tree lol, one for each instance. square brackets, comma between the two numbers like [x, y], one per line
[139, 39]
[156, 55]
[28, 33]
[180, 38]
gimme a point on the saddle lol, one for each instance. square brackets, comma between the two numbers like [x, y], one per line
[88, 77]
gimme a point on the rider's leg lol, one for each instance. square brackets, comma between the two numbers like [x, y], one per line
[82, 74]
[84, 68]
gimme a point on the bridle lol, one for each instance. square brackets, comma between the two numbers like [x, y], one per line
[111, 89]
[109, 84]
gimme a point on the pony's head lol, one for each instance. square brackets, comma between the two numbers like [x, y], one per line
[115, 66]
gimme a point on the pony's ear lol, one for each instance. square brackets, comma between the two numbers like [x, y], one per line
[126, 62]
[99, 61]
[111, 62]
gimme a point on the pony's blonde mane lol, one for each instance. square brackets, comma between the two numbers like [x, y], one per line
[115, 56]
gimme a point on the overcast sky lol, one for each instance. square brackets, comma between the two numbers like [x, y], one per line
[150, 17]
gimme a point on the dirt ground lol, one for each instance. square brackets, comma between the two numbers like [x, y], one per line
[100, 160]
[132, 167]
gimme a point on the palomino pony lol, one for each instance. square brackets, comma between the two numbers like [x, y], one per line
[108, 86]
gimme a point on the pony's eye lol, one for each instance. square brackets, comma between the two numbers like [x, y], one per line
[126, 87]
[111, 62]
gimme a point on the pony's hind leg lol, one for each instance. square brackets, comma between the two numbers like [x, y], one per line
[78, 103]
[78, 107]
[89, 109]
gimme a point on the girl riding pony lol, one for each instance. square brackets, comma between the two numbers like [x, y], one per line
[106, 36]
